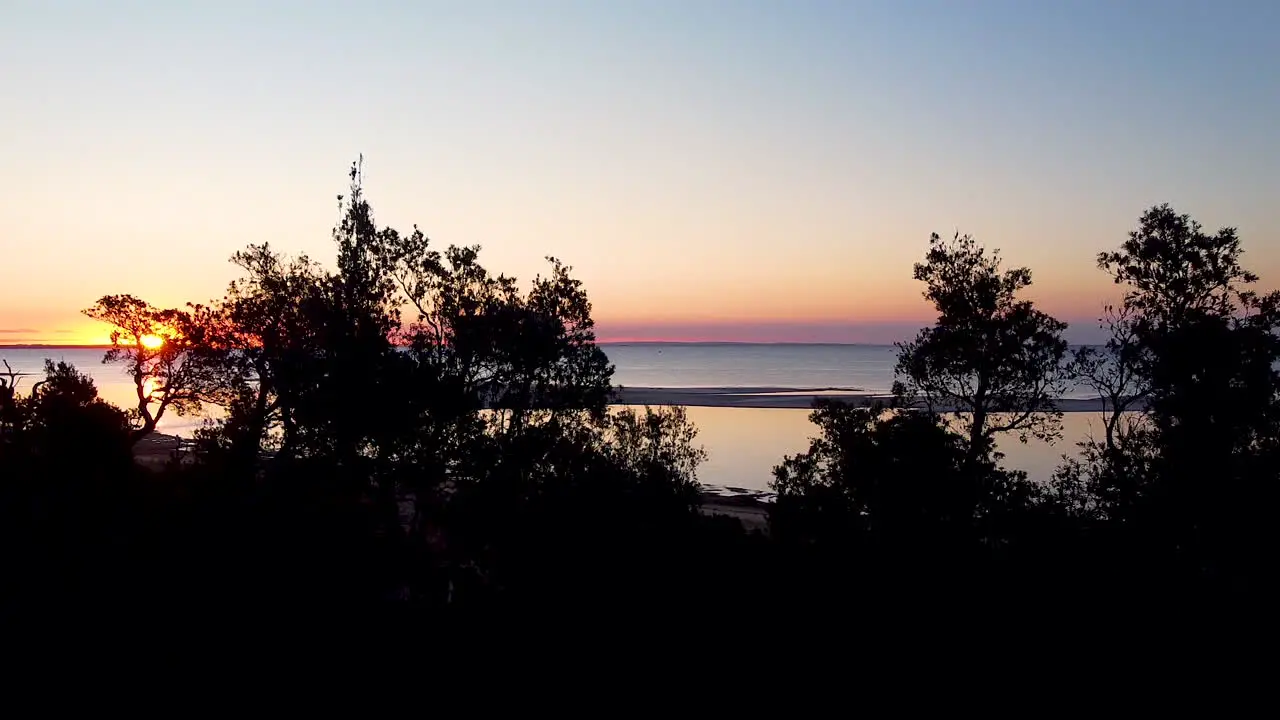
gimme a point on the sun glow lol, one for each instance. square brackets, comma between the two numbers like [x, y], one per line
[151, 342]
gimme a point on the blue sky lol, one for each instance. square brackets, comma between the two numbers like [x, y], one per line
[740, 170]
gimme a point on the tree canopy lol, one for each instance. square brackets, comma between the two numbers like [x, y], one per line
[989, 355]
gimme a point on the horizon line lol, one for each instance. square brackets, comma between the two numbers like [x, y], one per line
[83, 346]
[42, 346]
[737, 342]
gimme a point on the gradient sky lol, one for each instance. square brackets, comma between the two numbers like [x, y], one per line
[729, 170]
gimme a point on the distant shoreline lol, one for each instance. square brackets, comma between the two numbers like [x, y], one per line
[603, 344]
[735, 343]
[763, 398]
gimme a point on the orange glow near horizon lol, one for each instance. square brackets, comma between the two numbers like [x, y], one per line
[751, 172]
[151, 342]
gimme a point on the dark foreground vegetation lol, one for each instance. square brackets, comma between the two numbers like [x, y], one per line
[410, 427]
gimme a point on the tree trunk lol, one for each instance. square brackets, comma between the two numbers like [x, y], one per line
[1112, 420]
[148, 427]
[978, 423]
[148, 420]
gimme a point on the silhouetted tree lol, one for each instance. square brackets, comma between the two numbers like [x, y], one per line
[994, 358]
[521, 353]
[267, 324]
[166, 355]
[62, 418]
[10, 418]
[657, 447]
[873, 472]
[1207, 343]
[1200, 350]
[486, 415]
[65, 471]
[891, 479]
[362, 317]
[1105, 477]
[578, 512]
[1174, 271]
[1114, 371]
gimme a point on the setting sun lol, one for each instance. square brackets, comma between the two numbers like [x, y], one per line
[151, 342]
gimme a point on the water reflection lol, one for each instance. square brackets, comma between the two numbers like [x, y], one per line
[745, 443]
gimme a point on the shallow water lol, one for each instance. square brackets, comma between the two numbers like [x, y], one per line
[684, 365]
[743, 443]
[866, 368]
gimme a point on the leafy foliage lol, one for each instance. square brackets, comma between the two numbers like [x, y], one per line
[989, 356]
[1200, 350]
[167, 355]
[894, 479]
[1173, 270]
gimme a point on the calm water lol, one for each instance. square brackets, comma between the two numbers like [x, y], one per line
[744, 444]
[853, 367]
[113, 385]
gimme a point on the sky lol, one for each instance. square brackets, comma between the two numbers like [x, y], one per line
[712, 169]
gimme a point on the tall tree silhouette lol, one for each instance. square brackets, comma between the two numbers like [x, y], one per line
[485, 413]
[989, 355]
[269, 318]
[1206, 342]
[1201, 349]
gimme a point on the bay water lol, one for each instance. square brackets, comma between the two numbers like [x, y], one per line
[743, 443]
